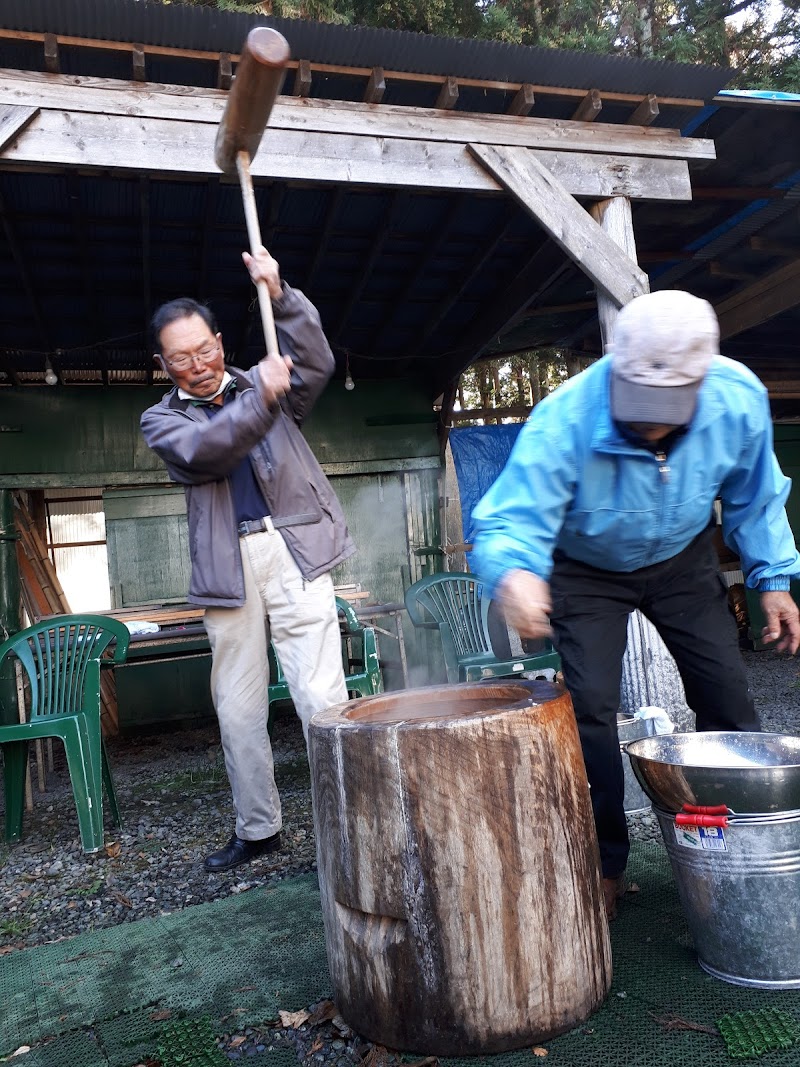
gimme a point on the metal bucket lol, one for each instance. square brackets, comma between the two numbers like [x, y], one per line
[630, 729]
[739, 887]
[729, 809]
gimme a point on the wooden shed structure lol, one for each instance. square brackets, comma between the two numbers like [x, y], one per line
[438, 200]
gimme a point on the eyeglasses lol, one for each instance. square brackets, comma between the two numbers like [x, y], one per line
[183, 362]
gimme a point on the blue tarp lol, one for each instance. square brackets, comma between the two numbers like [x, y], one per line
[479, 454]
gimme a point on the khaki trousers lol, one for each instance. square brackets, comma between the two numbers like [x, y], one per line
[300, 618]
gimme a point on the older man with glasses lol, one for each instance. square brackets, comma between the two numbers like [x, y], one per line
[265, 530]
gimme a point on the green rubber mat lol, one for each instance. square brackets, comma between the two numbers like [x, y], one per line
[104, 999]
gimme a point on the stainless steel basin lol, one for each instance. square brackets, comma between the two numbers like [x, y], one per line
[747, 772]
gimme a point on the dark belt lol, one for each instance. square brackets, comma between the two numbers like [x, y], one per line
[251, 526]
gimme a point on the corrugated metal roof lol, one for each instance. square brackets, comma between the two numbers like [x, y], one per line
[206, 29]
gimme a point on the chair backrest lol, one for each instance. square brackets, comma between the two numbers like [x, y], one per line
[455, 601]
[62, 660]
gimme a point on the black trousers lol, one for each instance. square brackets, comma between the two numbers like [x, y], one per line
[686, 600]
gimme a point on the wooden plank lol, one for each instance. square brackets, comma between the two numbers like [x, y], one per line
[13, 120]
[615, 220]
[342, 117]
[52, 63]
[302, 79]
[773, 248]
[779, 291]
[376, 87]
[589, 108]
[155, 147]
[646, 113]
[524, 101]
[448, 95]
[549, 202]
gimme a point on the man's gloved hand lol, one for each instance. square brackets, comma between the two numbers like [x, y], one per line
[782, 620]
[525, 602]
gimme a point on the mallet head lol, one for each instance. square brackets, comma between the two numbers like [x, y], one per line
[259, 77]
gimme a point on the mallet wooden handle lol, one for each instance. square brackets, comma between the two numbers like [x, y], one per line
[254, 236]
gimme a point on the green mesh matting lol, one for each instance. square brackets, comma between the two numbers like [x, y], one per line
[190, 1043]
[104, 999]
[754, 1033]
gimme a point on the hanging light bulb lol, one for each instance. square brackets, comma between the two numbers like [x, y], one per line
[50, 375]
[349, 384]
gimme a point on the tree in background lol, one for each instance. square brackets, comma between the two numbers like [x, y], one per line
[760, 39]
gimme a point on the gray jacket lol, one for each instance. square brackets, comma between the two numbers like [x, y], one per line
[200, 452]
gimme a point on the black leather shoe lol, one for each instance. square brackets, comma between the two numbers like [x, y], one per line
[238, 851]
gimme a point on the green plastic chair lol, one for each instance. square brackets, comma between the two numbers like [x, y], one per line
[454, 604]
[365, 682]
[61, 658]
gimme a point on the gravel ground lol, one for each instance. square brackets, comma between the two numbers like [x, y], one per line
[175, 799]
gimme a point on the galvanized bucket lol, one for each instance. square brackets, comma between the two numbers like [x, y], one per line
[729, 809]
[631, 729]
[739, 886]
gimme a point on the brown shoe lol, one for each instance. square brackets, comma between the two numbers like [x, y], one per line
[613, 889]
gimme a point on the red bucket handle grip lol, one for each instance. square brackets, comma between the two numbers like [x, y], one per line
[699, 809]
[692, 819]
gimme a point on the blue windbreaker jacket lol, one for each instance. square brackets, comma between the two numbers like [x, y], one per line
[574, 482]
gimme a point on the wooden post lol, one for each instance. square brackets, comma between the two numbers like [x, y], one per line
[458, 867]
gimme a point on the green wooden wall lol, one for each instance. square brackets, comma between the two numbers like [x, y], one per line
[378, 444]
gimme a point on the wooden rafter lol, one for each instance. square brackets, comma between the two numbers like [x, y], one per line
[95, 309]
[396, 206]
[147, 299]
[563, 92]
[589, 108]
[523, 102]
[771, 295]
[462, 284]
[376, 87]
[334, 204]
[433, 246]
[24, 276]
[206, 240]
[544, 269]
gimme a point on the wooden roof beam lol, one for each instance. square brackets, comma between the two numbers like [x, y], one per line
[376, 87]
[524, 101]
[720, 270]
[589, 108]
[646, 113]
[547, 201]
[779, 291]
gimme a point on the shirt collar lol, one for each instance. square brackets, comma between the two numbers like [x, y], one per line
[227, 380]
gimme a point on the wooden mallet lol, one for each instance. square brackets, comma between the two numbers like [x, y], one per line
[259, 77]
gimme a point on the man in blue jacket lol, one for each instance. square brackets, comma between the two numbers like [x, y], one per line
[606, 506]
